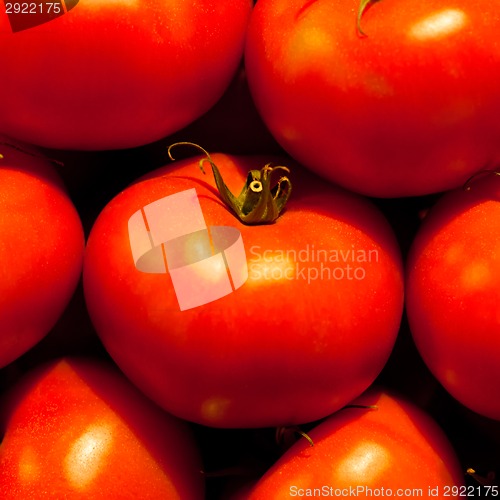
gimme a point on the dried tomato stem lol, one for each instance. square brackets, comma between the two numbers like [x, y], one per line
[30, 153]
[259, 202]
[282, 432]
[489, 480]
[363, 6]
[482, 173]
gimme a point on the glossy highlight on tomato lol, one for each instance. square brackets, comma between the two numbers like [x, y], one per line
[453, 291]
[388, 448]
[76, 428]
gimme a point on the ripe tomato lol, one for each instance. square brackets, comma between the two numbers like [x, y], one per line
[409, 109]
[393, 450]
[79, 429]
[308, 331]
[41, 250]
[110, 75]
[453, 291]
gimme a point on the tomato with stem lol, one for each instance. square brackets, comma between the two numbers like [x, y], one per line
[310, 327]
[389, 447]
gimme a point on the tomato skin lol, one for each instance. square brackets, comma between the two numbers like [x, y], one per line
[78, 429]
[113, 75]
[273, 352]
[41, 250]
[409, 109]
[453, 291]
[396, 446]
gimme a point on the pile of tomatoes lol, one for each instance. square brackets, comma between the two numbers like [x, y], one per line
[351, 147]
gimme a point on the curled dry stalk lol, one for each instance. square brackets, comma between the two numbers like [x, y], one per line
[363, 407]
[29, 153]
[283, 434]
[259, 202]
[363, 6]
[481, 173]
[489, 480]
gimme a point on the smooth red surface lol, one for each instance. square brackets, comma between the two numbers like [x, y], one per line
[275, 351]
[453, 292]
[78, 429]
[395, 447]
[409, 109]
[41, 250]
[111, 75]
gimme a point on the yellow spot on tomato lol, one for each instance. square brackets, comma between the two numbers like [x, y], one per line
[475, 275]
[377, 85]
[214, 409]
[29, 465]
[454, 254]
[308, 43]
[290, 133]
[450, 378]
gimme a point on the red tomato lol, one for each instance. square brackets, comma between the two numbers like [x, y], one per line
[78, 429]
[41, 250]
[453, 292]
[393, 450]
[409, 109]
[308, 331]
[110, 75]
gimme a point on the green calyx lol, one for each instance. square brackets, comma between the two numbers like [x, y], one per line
[258, 202]
[363, 5]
